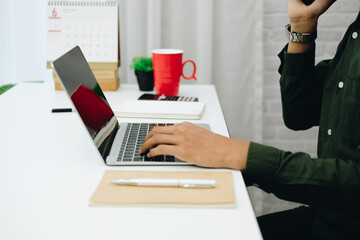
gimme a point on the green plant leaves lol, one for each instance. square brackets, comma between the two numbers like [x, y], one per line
[142, 64]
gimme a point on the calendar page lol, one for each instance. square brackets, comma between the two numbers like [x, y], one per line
[92, 26]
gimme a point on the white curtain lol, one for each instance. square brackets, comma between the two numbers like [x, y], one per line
[223, 37]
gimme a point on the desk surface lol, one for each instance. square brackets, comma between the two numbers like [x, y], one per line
[47, 177]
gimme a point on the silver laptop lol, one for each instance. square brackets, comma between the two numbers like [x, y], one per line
[118, 143]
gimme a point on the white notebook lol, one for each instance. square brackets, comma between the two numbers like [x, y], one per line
[160, 109]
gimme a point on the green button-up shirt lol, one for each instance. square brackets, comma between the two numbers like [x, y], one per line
[326, 95]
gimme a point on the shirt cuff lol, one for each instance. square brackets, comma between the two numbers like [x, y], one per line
[296, 63]
[262, 162]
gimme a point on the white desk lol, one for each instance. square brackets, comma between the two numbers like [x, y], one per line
[49, 168]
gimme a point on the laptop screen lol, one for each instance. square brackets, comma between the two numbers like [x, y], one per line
[79, 82]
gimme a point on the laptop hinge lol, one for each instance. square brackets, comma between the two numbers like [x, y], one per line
[105, 147]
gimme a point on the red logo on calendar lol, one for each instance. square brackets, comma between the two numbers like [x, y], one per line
[53, 26]
[54, 14]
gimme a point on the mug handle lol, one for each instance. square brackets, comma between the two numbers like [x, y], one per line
[193, 74]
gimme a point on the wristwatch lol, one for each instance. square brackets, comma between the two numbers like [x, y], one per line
[299, 37]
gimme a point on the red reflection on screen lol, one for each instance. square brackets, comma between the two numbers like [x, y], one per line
[93, 110]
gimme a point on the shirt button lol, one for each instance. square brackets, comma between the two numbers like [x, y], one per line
[354, 35]
[341, 84]
[329, 132]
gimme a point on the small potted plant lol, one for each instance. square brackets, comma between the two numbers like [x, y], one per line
[144, 72]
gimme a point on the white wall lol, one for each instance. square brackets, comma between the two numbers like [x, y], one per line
[22, 41]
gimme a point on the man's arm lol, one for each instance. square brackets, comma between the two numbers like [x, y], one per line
[301, 82]
[332, 182]
[301, 85]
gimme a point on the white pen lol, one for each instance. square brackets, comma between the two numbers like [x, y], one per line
[167, 182]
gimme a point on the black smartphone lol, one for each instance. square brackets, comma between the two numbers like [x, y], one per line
[149, 96]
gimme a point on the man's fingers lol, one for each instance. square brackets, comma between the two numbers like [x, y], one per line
[161, 130]
[157, 139]
[162, 150]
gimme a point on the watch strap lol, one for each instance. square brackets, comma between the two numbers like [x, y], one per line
[299, 37]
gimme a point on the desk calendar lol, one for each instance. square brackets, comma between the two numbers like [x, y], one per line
[91, 25]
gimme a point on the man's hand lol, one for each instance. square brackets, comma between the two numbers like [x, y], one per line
[303, 18]
[194, 144]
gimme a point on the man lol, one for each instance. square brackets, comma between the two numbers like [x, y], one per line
[327, 95]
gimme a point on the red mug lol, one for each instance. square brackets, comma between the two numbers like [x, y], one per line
[168, 67]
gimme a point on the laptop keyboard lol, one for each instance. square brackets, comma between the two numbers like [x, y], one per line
[133, 140]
